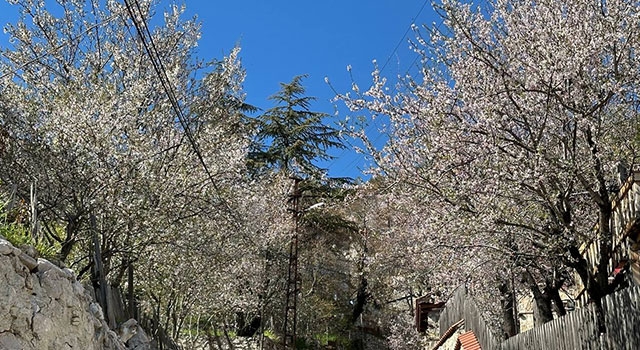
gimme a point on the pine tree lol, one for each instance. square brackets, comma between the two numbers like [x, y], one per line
[290, 137]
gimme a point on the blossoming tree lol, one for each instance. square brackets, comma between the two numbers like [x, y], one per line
[513, 133]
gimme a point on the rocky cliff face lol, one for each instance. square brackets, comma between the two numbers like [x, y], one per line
[44, 307]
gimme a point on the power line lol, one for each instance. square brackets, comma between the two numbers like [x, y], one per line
[404, 36]
[375, 124]
[145, 34]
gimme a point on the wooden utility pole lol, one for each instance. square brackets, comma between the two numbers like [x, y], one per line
[99, 280]
[293, 279]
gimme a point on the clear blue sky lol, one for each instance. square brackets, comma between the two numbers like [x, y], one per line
[284, 38]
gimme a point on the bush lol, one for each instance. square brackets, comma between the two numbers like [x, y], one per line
[18, 234]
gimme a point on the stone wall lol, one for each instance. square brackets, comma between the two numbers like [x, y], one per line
[44, 307]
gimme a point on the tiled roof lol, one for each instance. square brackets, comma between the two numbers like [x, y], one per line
[468, 341]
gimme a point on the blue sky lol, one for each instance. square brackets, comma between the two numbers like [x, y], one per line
[284, 38]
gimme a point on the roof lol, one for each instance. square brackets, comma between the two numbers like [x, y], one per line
[468, 341]
[430, 306]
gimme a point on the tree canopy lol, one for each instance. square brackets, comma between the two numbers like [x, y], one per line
[511, 136]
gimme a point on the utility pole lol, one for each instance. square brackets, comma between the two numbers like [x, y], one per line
[293, 279]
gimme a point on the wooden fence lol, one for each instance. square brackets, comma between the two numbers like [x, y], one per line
[622, 318]
[117, 311]
[461, 306]
[625, 219]
[576, 330]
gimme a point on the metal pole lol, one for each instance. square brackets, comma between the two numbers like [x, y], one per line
[293, 279]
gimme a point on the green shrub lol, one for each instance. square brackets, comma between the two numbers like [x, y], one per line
[271, 335]
[19, 236]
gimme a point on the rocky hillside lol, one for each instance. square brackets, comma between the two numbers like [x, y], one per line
[44, 307]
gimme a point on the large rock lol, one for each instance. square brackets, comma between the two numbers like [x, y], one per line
[45, 307]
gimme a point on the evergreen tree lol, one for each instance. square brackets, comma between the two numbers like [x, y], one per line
[290, 137]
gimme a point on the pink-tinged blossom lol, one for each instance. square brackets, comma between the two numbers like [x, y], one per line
[508, 144]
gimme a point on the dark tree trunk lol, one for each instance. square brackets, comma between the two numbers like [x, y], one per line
[592, 287]
[542, 313]
[362, 294]
[361, 300]
[605, 241]
[71, 232]
[554, 294]
[130, 292]
[509, 317]
[244, 328]
[597, 285]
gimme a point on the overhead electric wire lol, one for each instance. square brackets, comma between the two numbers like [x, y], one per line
[359, 156]
[404, 36]
[158, 66]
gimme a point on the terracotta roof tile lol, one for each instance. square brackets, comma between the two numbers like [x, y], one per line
[468, 341]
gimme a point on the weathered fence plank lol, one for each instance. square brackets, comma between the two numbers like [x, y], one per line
[453, 311]
[622, 318]
[576, 330]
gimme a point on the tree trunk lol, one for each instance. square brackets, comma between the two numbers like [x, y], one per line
[554, 294]
[592, 288]
[98, 278]
[130, 293]
[71, 232]
[598, 286]
[361, 300]
[605, 241]
[507, 301]
[542, 310]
